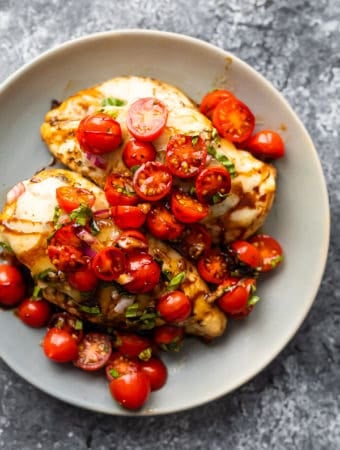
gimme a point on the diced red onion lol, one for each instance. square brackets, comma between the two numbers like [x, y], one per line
[89, 251]
[96, 160]
[85, 235]
[123, 303]
[102, 213]
[15, 192]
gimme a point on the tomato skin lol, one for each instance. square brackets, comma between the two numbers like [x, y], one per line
[246, 253]
[12, 285]
[234, 300]
[168, 337]
[65, 257]
[136, 153]
[94, 351]
[144, 270]
[60, 346]
[66, 235]
[119, 364]
[211, 100]
[109, 263]
[195, 240]
[131, 390]
[156, 371]
[132, 240]
[187, 209]
[152, 181]
[128, 216]
[266, 144]
[174, 306]
[69, 323]
[186, 155]
[213, 267]
[146, 118]
[233, 120]
[163, 224]
[213, 184]
[99, 133]
[119, 190]
[270, 250]
[131, 345]
[34, 313]
[71, 197]
[83, 280]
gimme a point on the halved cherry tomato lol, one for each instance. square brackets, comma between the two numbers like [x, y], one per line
[152, 181]
[187, 209]
[131, 240]
[66, 235]
[266, 144]
[69, 323]
[83, 280]
[174, 306]
[71, 197]
[109, 263]
[211, 99]
[246, 253]
[119, 190]
[60, 346]
[99, 133]
[136, 153]
[144, 270]
[163, 224]
[270, 250]
[156, 371]
[213, 267]
[147, 118]
[169, 337]
[128, 216]
[94, 351]
[119, 364]
[186, 155]
[12, 285]
[195, 240]
[131, 390]
[233, 120]
[65, 257]
[131, 344]
[213, 184]
[34, 313]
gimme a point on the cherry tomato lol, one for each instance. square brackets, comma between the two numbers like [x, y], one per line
[270, 250]
[12, 285]
[119, 364]
[195, 240]
[212, 184]
[144, 270]
[60, 346]
[65, 257]
[244, 313]
[136, 153]
[94, 351]
[246, 253]
[66, 235]
[83, 279]
[211, 99]
[109, 263]
[174, 306]
[69, 323]
[152, 181]
[156, 371]
[266, 144]
[147, 118]
[131, 390]
[169, 337]
[131, 240]
[128, 216]
[235, 298]
[119, 190]
[34, 313]
[213, 267]
[186, 155]
[130, 344]
[187, 209]
[71, 197]
[163, 224]
[99, 133]
[233, 120]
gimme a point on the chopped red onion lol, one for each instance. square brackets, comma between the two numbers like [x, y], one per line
[102, 213]
[89, 251]
[85, 235]
[96, 160]
[15, 192]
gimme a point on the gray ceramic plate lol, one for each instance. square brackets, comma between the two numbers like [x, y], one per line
[299, 219]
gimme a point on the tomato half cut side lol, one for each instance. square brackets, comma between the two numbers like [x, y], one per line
[213, 184]
[136, 153]
[109, 263]
[71, 197]
[270, 250]
[163, 224]
[213, 267]
[186, 155]
[119, 190]
[94, 351]
[211, 100]
[119, 364]
[195, 240]
[152, 181]
[266, 144]
[187, 209]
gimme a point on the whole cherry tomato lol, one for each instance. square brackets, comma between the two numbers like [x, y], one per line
[60, 346]
[163, 224]
[69, 323]
[270, 250]
[186, 155]
[136, 153]
[174, 306]
[152, 181]
[83, 279]
[131, 390]
[246, 253]
[34, 313]
[12, 285]
[156, 371]
[71, 197]
[266, 144]
[143, 270]
[128, 216]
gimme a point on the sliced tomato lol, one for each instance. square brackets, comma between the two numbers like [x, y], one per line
[186, 155]
[152, 181]
[246, 253]
[213, 267]
[270, 250]
[131, 344]
[187, 209]
[213, 184]
[60, 346]
[119, 364]
[66, 257]
[211, 100]
[71, 197]
[131, 390]
[163, 224]
[169, 337]
[266, 144]
[146, 118]
[84, 279]
[143, 270]
[128, 216]
[119, 190]
[69, 323]
[136, 153]
[195, 240]
[174, 306]
[109, 263]
[233, 120]
[156, 371]
[131, 240]
[94, 351]
[34, 313]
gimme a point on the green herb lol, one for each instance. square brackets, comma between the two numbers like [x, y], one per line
[6, 247]
[89, 309]
[81, 215]
[194, 140]
[144, 319]
[36, 292]
[174, 346]
[218, 197]
[275, 261]
[146, 354]
[134, 168]
[227, 164]
[253, 299]
[56, 216]
[114, 373]
[132, 311]
[192, 190]
[176, 281]
[46, 275]
[214, 134]
[111, 101]
[78, 324]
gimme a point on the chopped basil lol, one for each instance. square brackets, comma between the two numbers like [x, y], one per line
[144, 319]
[218, 197]
[114, 373]
[56, 216]
[111, 101]
[275, 261]
[223, 160]
[78, 325]
[194, 140]
[253, 299]
[176, 281]
[146, 354]
[132, 311]
[46, 275]
[81, 215]
[192, 190]
[89, 309]
[174, 346]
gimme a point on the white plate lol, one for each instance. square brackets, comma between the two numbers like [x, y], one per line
[299, 219]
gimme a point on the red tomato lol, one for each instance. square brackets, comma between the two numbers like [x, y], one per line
[71, 197]
[211, 99]
[163, 224]
[12, 285]
[156, 371]
[131, 390]
[119, 365]
[213, 184]
[144, 270]
[174, 306]
[266, 144]
[109, 263]
[213, 267]
[246, 253]
[152, 181]
[186, 155]
[65, 257]
[99, 133]
[187, 209]
[136, 153]
[83, 280]
[60, 346]
[235, 298]
[270, 250]
[130, 344]
[244, 313]
[195, 241]
[119, 190]
[69, 323]
[147, 118]
[131, 240]
[233, 120]
[34, 313]
[66, 235]
[128, 216]
[169, 337]
[94, 351]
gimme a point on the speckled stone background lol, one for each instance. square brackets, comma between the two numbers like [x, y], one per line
[295, 402]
